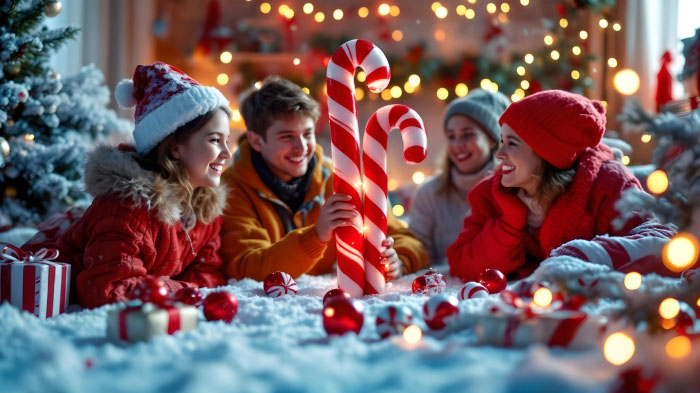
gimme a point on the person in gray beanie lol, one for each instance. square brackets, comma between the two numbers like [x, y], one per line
[473, 135]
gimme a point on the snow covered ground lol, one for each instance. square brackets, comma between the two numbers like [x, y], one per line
[279, 345]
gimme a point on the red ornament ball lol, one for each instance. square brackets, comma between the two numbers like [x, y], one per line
[393, 320]
[431, 283]
[493, 280]
[439, 311]
[220, 306]
[189, 295]
[472, 290]
[279, 284]
[150, 290]
[333, 294]
[341, 316]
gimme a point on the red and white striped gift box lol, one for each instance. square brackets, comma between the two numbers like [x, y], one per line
[141, 322]
[33, 282]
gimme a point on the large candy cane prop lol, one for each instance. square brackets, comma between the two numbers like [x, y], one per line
[345, 140]
[375, 179]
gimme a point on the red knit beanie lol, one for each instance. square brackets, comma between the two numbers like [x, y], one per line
[557, 125]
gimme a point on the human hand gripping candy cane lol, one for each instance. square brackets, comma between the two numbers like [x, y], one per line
[345, 140]
[375, 179]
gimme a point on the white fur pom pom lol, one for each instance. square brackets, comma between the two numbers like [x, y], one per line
[124, 93]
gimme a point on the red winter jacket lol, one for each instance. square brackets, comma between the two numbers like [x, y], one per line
[134, 229]
[585, 210]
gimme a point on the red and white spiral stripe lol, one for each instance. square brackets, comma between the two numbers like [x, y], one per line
[345, 139]
[374, 144]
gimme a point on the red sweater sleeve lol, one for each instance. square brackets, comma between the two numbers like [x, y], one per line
[486, 241]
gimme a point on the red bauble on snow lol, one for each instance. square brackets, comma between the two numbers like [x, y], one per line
[493, 280]
[439, 311]
[278, 284]
[341, 316]
[393, 320]
[189, 295]
[431, 283]
[150, 290]
[220, 306]
[472, 290]
[685, 320]
[333, 294]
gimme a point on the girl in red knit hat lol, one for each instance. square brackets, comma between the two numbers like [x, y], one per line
[554, 193]
[157, 206]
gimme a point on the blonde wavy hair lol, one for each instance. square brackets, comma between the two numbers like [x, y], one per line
[200, 201]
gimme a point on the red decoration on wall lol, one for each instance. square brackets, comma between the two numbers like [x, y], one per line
[664, 82]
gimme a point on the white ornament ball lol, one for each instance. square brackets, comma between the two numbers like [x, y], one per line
[440, 311]
[393, 320]
[53, 9]
[473, 290]
[124, 93]
[279, 284]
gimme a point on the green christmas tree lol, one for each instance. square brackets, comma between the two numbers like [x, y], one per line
[47, 123]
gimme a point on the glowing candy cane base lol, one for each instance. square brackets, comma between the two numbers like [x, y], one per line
[345, 139]
[375, 179]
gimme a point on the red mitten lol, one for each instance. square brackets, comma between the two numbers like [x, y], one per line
[514, 211]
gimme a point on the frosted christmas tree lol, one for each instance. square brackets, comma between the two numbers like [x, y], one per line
[47, 123]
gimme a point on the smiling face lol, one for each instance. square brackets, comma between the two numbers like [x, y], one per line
[288, 146]
[520, 165]
[204, 153]
[468, 145]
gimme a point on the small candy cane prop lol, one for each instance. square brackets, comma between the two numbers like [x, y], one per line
[415, 145]
[345, 139]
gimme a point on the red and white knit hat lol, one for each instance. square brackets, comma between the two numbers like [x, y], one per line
[165, 99]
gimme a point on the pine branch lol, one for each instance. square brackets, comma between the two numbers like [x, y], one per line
[25, 21]
[53, 39]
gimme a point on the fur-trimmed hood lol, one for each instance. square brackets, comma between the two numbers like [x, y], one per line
[116, 171]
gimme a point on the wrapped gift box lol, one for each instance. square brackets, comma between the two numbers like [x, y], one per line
[141, 322]
[33, 282]
[573, 329]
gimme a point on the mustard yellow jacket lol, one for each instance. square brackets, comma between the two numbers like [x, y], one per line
[254, 242]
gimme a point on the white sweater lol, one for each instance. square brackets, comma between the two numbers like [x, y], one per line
[437, 218]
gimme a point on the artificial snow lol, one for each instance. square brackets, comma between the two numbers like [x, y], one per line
[279, 345]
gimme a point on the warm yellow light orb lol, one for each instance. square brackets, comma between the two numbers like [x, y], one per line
[612, 62]
[308, 8]
[412, 334]
[529, 58]
[418, 177]
[282, 9]
[548, 39]
[306, 90]
[657, 182]
[678, 347]
[384, 9]
[461, 90]
[576, 50]
[633, 281]
[386, 94]
[603, 23]
[236, 115]
[563, 23]
[542, 297]
[414, 80]
[524, 2]
[435, 6]
[555, 55]
[617, 26]
[440, 35]
[575, 74]
[485, 84]
[669, 308]
[626, 81]
[394, 10]
[409, 88]
[396, 92]
[226, 57]
[442, 93]
[470, 14]
[392, 184]
[583, 34]
[398, 210]
[520, 70]
[646, 138]
[618, 348]
[491, 8]
[319, 17]
[265, 8]
[505, 7]
[296, 61]
[625, 160]
[363, 12]
[681, 252]
[361, 76]
[338, 14]
[222, 79]
[461, 10]
[397, 35]
[441, 12]
[359, 93]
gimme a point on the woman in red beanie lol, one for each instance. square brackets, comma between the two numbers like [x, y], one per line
[557, 183]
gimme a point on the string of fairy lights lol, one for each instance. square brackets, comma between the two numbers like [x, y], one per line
[626, 81]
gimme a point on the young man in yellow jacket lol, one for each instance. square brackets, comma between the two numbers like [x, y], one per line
[281, 210]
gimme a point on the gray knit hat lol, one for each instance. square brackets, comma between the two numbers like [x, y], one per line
[483, 106]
